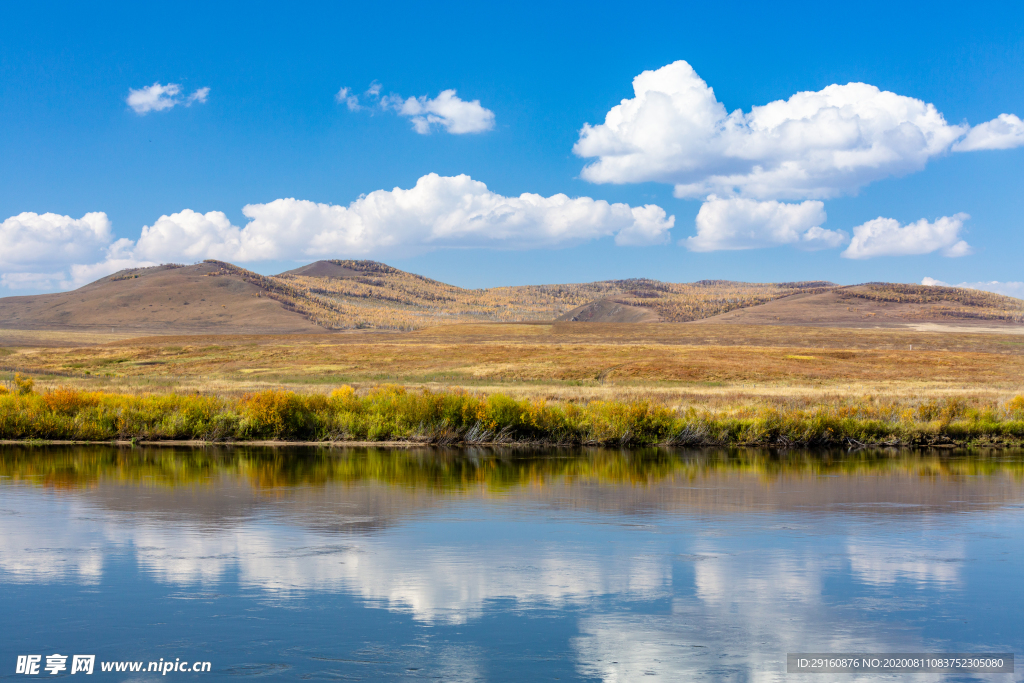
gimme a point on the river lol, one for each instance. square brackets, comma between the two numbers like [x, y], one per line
[507, 565]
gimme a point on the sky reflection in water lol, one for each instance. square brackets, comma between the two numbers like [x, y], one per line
[476, 565]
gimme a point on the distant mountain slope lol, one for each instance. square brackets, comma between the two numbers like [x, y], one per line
[881, 304]
[218, 297]
[380, 296]
[203, 298]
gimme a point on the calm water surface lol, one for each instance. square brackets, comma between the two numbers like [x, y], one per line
[486, 565]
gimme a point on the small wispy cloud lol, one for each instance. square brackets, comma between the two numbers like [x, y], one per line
[158, 97]
[199, 96]
[346, 97]
[447, 110]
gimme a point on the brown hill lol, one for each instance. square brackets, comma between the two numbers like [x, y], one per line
[214, 297]
[609, 311]
[886, 305]
[203, 298]
[382, 297]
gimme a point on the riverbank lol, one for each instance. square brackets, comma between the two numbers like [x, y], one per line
[395, 415]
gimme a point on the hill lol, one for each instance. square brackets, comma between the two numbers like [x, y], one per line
[379, 296]
[203, 298]
[609, 311]
[215, 297]
[881, 304]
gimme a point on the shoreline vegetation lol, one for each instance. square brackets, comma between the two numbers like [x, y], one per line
[391, 413]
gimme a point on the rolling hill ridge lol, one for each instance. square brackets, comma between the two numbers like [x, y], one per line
[218, 297]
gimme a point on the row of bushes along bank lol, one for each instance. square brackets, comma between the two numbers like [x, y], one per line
[392, 413]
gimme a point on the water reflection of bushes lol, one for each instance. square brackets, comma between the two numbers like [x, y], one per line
[450, 469]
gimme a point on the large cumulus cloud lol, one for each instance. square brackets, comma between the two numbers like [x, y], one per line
[47, 251]
[814, 145]
[437, 212]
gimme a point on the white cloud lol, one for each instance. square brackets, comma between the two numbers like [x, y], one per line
[1014, 289]
[199, 96]
[119, 256]
[447, 110]
[50, 251]
[1003, 132]
[736, 223]
[155, 97]
[455, 115]
[345, 96]
[886, 237]
[159, 97]
[813, 145]
[438, 212]
[30, 239]
[189, 236]
[31, 281]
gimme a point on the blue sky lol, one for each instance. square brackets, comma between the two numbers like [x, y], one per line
[272, 128]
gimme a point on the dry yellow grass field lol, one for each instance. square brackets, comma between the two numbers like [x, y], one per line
[713, 366]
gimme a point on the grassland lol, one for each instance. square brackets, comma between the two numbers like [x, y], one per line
[550, 361]
[579, 383]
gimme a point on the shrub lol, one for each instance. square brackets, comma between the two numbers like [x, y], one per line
[953, 408]
[274, 414]
[1015, 407]
[68, 401]
[24, 384]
